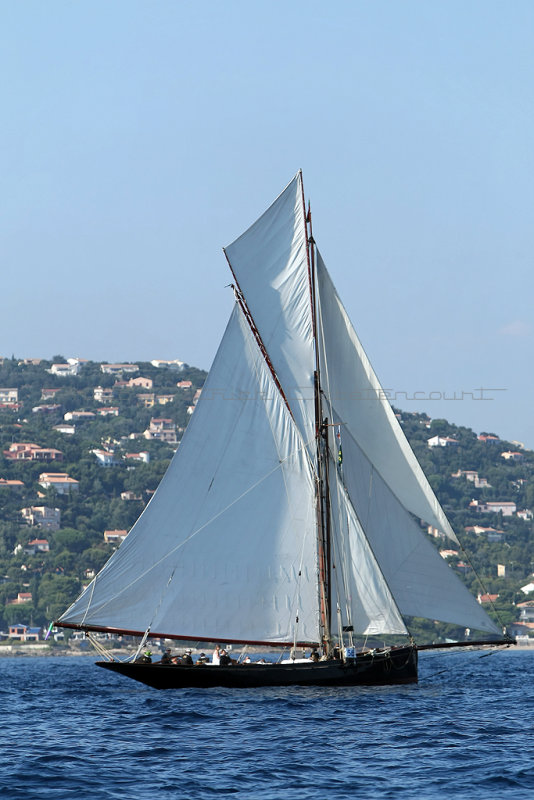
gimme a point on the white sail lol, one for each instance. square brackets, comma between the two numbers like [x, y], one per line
[270, 263]
[421, 582]
[364, 410]
[226, 549]
[358, 584]
[384, 480]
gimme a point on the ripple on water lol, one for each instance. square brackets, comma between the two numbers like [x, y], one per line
[72, 730]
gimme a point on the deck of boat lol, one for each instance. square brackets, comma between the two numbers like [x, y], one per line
[375, 668]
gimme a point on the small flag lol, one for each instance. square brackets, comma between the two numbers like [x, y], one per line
[339, 451]
[49, 631]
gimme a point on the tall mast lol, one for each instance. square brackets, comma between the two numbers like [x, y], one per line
[321, 439]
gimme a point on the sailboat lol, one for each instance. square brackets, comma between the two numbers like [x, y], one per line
[290, 515]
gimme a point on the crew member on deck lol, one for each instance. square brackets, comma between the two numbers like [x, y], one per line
[186, 658]
[216, 655]
[225, 659]
[145, 658]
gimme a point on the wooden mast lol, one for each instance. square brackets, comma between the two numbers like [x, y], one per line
[321, 439]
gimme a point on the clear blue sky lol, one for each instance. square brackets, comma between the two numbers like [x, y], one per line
[138, 138]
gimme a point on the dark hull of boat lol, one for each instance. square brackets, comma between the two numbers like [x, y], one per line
[379, 668]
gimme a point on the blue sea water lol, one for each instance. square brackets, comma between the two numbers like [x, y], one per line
[71, 730]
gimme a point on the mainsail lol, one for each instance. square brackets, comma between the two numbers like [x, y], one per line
[228, 549]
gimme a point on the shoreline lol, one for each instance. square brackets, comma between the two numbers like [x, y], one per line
[42, 650]
[45, 651]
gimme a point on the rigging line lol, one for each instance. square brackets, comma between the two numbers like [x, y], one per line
[100, 649]
[93, 585]
[162, 595]
[149, 628]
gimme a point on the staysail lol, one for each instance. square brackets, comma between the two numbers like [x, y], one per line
[360, 589]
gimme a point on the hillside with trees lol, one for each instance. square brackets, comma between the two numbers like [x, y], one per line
[486, 487]
[111, 430]
[106, 498]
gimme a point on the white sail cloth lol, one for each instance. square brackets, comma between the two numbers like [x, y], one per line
[364, 410]
[421, 582]
[384, 479]
[364, 597]
[226, 549]
[270, 264]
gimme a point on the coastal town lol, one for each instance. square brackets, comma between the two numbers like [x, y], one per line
[85, 444]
